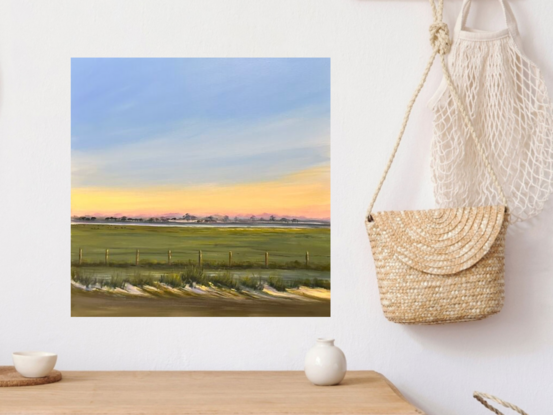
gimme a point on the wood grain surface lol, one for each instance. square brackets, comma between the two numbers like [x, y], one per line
[10, 377]
[214, 393]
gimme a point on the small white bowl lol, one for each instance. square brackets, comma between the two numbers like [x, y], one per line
[34, 364]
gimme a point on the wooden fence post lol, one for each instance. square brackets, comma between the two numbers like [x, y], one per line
[80, 256]
[200, 258]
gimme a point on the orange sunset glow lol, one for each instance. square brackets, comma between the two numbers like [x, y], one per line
[303, 194]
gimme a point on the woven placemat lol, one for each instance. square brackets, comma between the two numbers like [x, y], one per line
[10, 377]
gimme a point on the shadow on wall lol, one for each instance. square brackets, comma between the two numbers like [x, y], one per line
[522, 325]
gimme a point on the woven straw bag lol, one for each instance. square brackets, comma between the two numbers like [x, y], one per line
[482, 397]
[442, 265]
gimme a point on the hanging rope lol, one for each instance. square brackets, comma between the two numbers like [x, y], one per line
[481, 397]
[441, 45]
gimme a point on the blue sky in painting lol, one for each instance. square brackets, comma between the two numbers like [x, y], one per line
[159, 121]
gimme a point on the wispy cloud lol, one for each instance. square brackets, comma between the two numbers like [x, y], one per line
[206, 153]
[156, 95]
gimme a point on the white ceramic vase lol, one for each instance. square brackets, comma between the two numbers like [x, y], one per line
[325, 364]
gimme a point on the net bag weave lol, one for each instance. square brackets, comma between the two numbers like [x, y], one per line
[507, 101]
[442, 265]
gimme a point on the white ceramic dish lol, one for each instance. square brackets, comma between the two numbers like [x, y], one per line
[34, 364]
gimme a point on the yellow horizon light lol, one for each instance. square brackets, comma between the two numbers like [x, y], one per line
[305, 193]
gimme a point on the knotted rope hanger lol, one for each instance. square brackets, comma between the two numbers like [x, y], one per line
[441, 45]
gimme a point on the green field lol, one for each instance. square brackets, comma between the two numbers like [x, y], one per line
[185, 287]
[287, 247]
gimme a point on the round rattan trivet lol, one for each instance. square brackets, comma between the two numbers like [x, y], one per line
[10, 377]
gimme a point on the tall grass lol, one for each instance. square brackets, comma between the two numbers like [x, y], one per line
[277, 283]
[116, 281]
[206, 264]
[83, 279]
[225, 280]
[140, 280]
[193, 275]
[252, 282]
[172, 280]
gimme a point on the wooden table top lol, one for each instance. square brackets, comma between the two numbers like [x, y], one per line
[213, 393]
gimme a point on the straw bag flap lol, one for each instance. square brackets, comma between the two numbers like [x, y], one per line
[439, 241]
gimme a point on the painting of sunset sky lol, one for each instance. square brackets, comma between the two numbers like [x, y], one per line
[200, 187]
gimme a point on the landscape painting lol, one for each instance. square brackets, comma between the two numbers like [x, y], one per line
[200, 187]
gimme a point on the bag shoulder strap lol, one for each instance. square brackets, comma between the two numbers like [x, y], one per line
[441, 45]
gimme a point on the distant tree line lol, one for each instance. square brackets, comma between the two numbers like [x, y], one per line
[189, 218]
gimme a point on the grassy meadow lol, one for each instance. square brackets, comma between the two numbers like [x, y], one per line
[289, 285]
[285, 246]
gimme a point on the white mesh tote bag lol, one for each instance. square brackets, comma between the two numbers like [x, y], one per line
[510, 109]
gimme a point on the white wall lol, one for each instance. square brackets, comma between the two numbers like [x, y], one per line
[378, 50]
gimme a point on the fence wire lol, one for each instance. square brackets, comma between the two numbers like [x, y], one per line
[136, 256]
